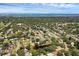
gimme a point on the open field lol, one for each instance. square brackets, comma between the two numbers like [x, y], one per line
[38, 36]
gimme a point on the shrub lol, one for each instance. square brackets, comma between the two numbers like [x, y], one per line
[74, 52]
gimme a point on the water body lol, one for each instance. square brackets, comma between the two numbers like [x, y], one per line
[36, 15]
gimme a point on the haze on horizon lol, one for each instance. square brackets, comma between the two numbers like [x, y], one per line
[44, 8]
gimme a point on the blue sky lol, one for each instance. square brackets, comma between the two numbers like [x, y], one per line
[63, 8]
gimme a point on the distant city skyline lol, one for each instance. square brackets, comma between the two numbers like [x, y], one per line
[45, 8]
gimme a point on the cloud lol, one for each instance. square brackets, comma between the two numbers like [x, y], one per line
[60, 5]
[39, 8]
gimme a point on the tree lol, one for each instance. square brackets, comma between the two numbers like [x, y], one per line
[20, 52]
[77, 44]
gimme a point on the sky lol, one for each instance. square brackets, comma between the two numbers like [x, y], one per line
[45, 8]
